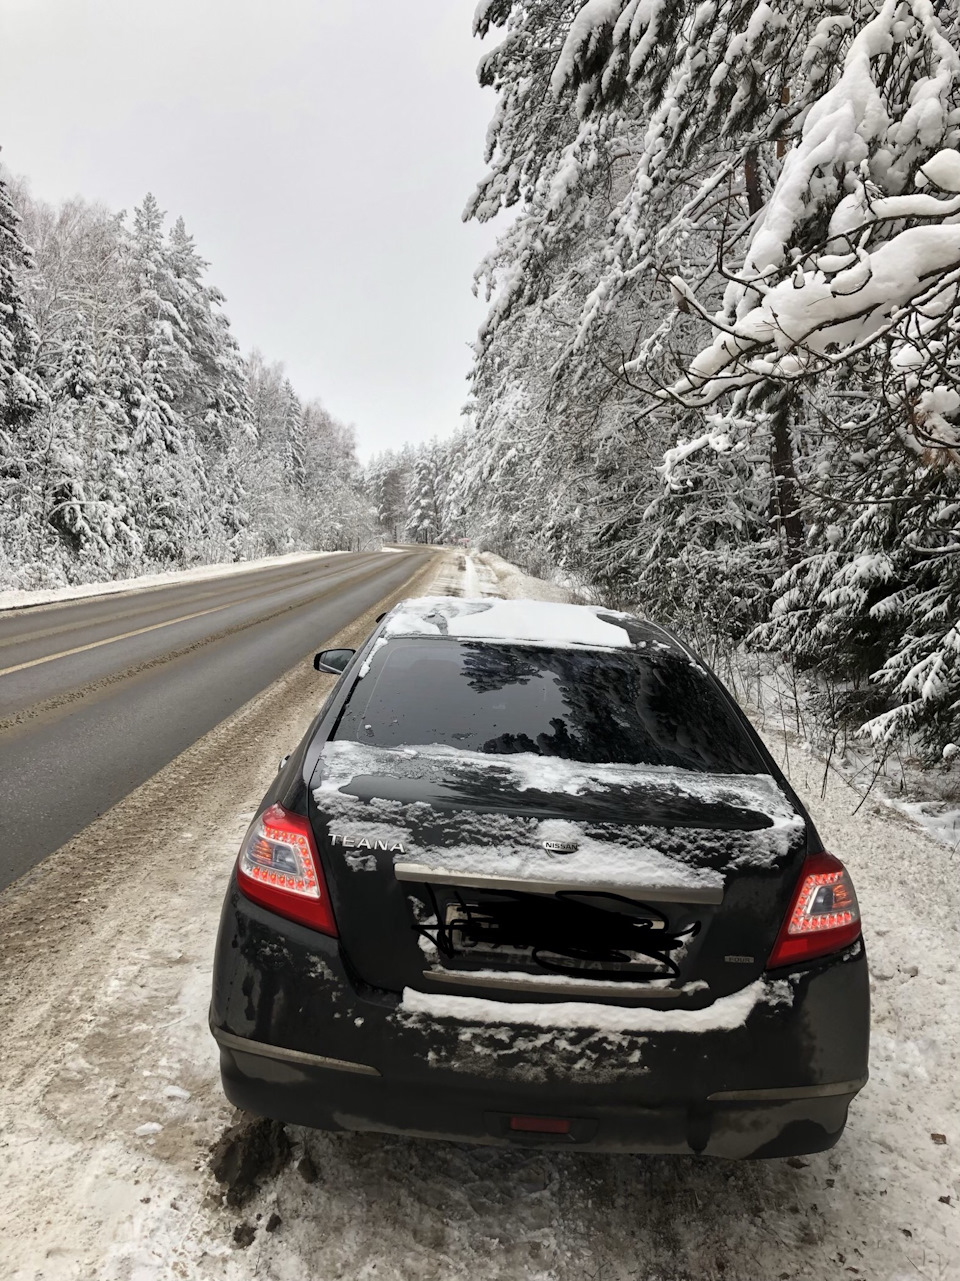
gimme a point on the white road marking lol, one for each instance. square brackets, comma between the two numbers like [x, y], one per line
[110, 640]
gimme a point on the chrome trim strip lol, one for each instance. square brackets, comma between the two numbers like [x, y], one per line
[245, 1046]
[477, 881]
[789, 1092]
[575, 988]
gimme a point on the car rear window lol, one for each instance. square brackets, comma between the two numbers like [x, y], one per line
[649, 706]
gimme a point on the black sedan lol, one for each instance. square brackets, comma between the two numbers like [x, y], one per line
[531, 877]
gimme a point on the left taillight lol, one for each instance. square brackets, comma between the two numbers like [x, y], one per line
[824, 915]
[278, 868]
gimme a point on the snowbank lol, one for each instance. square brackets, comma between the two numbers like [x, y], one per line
[499, 578]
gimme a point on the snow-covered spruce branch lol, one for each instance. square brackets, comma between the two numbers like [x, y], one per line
[801, 347]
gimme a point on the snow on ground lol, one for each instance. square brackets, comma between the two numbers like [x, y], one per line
[471, 578]
[514, 584]
[474, 574]
[12, 599]
[927, 795]
[111, 1098]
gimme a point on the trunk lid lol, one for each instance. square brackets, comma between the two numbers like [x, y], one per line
[523, 877]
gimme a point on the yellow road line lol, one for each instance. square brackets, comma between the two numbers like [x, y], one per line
[109, 640]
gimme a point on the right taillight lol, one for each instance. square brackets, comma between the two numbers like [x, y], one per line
[278, 868]
[824, 915]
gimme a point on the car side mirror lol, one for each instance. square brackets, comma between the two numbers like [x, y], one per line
[333, 660]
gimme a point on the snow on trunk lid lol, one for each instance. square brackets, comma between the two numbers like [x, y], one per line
[409, 832]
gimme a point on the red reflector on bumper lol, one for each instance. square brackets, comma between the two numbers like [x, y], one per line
[540, 1124]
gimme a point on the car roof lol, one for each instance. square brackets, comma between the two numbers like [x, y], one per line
[526, 621]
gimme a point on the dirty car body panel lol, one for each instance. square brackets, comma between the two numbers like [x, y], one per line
[556, 868]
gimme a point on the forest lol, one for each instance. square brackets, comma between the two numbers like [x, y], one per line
[718, 378]
[133, 434]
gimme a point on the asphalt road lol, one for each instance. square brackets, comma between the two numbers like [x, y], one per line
[98, 694]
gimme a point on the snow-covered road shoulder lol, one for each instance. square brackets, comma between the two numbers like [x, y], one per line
[111, 1099]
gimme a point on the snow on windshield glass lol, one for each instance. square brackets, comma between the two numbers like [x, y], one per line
[621, 706]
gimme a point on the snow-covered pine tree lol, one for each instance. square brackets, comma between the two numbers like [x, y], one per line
[263, 470]
[424, 498]
[76, 291]
[21, 395]
[871, 607]
[339, 513]
[66, 472]
[293, 457]
[170, 507]
[455, 503]
[208, 381]
[385, 481]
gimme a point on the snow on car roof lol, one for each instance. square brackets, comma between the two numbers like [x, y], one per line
[533, 621]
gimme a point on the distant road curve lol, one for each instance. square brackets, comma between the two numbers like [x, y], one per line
[97, 694]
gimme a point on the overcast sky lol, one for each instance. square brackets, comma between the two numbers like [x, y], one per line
[321, 153]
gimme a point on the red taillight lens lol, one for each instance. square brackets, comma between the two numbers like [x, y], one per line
[824, 915]
[540, 1124]
[278, 868]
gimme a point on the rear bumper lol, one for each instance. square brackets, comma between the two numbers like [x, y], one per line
[301, 1042]
[335, 1095]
